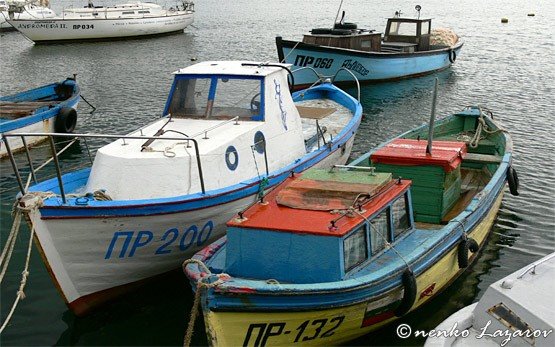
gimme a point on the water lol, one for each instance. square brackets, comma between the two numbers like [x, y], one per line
[506, 67]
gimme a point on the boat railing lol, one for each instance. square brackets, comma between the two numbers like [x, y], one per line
[532, 267]
[55, 154]
[331, 78]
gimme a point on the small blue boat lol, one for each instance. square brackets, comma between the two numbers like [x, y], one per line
[50, 108]
[331, 255]
[409, 48]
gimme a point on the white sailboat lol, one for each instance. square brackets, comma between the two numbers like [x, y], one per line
[23, 10]
[107, 22]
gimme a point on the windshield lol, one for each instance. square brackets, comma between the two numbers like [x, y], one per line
[220, 97]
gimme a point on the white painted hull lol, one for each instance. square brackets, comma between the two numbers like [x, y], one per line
[107, 261]
[58, 29]
[31, 12]
[45, 126]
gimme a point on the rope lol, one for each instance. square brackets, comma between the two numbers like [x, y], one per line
[19, 209]
[201, 285]
[387, 244]
[291, 51]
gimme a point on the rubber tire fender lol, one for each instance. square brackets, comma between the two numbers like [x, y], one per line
[66, 120]
[452, 56]
[462, 253]
[341, 32]
[409, 295]
[345, 25]
[512, 178]
[320, 31]
[473, 246]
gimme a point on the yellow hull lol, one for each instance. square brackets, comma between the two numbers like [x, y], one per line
[336, 325]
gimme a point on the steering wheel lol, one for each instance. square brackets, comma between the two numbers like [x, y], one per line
[255, 104]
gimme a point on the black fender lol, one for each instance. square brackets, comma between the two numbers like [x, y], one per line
[341, 32]
[512, 179]
[409, 295]
[320, 31]
[66, 120]
[345, 25]
[452, 56]
[462, 253]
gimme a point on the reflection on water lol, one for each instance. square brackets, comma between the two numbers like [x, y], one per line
[128, 82]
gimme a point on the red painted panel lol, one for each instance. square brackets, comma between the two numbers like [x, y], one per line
[271, 216]
[447, 154]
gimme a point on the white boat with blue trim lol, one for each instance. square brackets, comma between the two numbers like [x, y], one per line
[409, 48]
[49, 108]
[517, 310]
[156, 196]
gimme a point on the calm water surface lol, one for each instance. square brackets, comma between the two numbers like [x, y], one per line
[508, 68]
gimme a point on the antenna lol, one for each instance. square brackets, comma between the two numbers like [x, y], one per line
[337, 15]
[418, 8]
[432, 119]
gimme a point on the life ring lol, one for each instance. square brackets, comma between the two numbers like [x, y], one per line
[231, 158]
[66, 120]
[346, 25]
[512, 178]
[320, 31]
[409, 295]
[452, 56]
[466, 244]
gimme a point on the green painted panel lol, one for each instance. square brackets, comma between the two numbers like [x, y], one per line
[352, 176]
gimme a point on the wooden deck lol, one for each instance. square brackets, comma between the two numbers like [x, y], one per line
[14, 110]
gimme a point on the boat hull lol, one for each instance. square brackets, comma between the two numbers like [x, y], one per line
[338, 324]
[39, 122]
[127, 248]
[366, 66]
[55, 30]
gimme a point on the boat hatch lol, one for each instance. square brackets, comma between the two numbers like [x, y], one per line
[338, 221]
[217, 97]
[327, 191]
[436, 177]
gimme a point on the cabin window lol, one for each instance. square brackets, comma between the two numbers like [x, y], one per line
[355, 248]
[143, 11]
[128, 12]
[379, 231]
[217, 97]
[400, 214]
[425, 29]
[403, 29]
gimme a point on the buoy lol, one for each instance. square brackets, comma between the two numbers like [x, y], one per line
[531, 14]
[504, 20]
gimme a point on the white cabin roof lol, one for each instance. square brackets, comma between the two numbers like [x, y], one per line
[230, 68]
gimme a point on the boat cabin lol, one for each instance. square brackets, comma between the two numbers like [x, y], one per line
[321, 226]
[405, 35]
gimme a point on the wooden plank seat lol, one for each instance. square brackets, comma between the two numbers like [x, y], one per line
[308, 112]
[16, 110]
[482, 158]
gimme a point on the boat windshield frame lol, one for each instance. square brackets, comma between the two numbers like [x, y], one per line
[254, 98]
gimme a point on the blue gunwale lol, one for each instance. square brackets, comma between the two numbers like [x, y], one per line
[375, 278]
[54, 208]
[44, 93]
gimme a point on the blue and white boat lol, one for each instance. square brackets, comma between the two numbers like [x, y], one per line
[409, 48]
[157, 195]
[50, 108]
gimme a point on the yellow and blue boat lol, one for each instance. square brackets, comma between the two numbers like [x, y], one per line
[330, 255]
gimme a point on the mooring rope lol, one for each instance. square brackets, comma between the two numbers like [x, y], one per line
[201, 285]
[25, 273]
